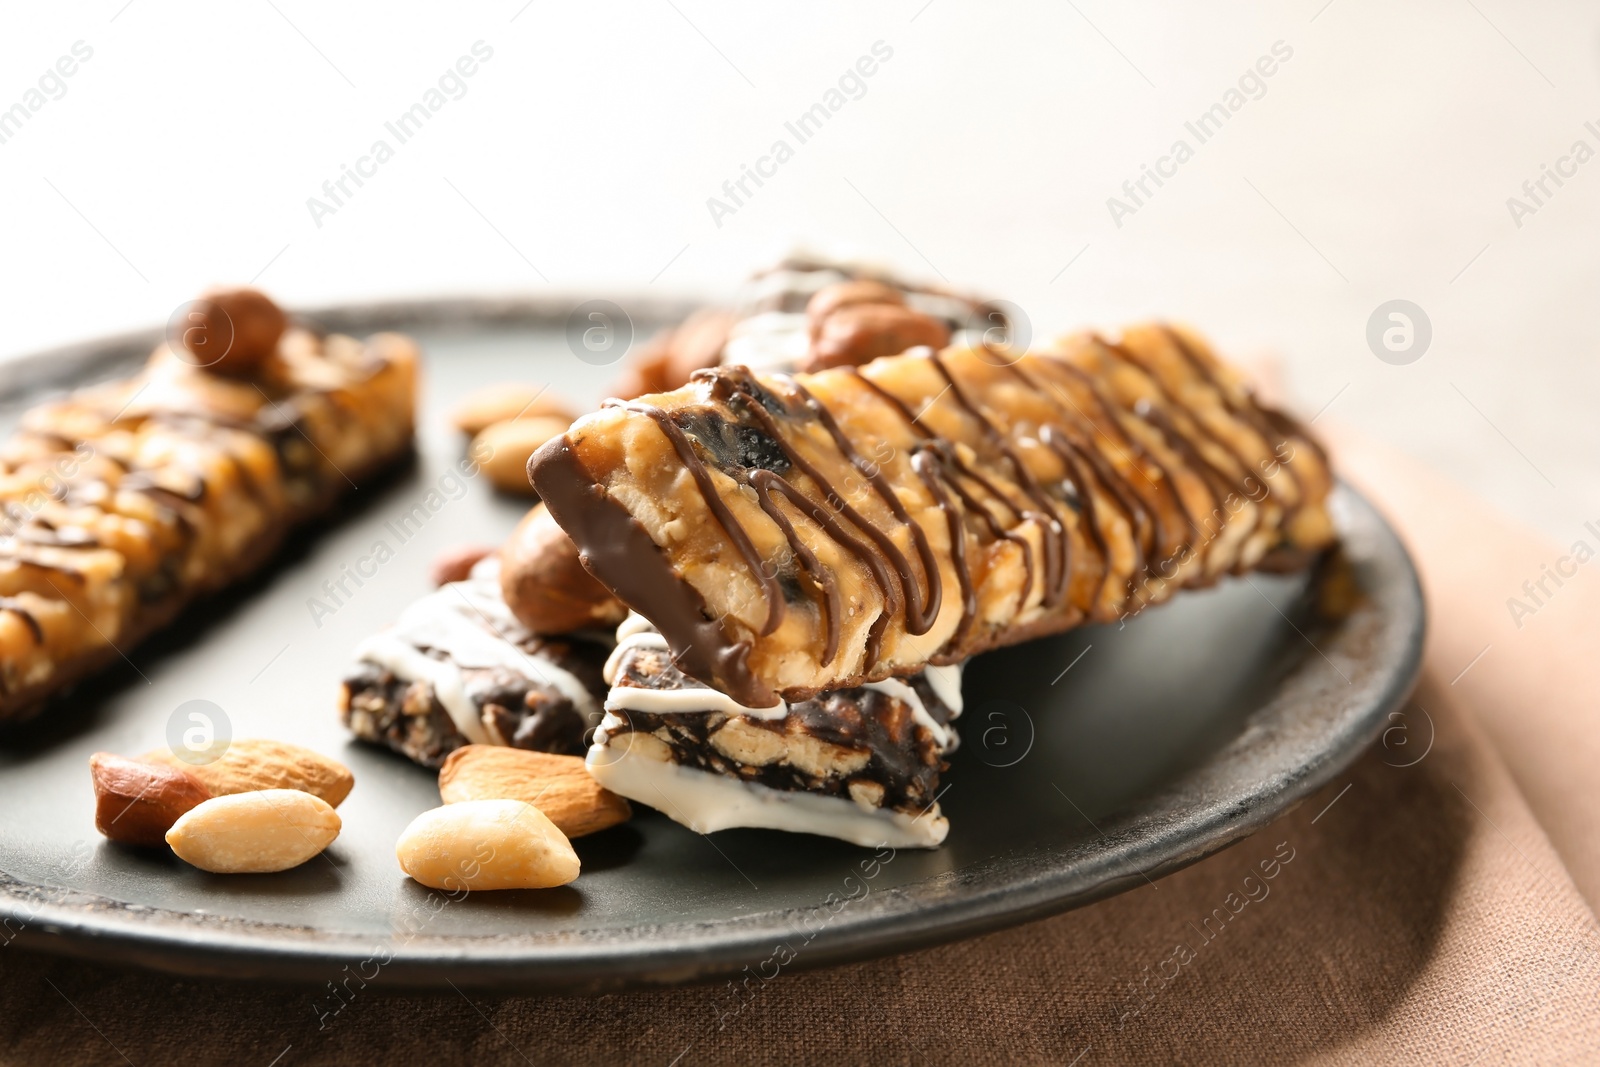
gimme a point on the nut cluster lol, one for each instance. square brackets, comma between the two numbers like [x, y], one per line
[253, 807]
[507, 424]
[507, 821]
[261, 806]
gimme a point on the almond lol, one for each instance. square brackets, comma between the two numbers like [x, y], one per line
[137, 801]
[508, 400]
[486, 844]
[502, 450]
[254, 833]
[251, 764]
[559, 786]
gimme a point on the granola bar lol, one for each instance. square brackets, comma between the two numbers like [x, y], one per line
[861, 764]
[791, 535]
[457, 668]
[123, 502]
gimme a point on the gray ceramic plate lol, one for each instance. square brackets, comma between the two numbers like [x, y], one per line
[1092, 762]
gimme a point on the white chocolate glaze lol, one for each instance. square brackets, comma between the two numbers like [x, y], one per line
[706, 802]
[669, 701]
[771, 341]
[946, 685]
[636, 632]
[469, 623]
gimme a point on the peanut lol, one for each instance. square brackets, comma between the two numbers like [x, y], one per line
[509, 400]
[486, 844]
[502, 450]
[254, 833]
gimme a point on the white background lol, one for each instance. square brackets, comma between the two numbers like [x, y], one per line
[1377, 165]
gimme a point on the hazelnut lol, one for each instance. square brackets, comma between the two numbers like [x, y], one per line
[671, 356]
[831, 298]
[860, 333]
[544, 583]
[697, 344]
[229, 331]
[136, 801]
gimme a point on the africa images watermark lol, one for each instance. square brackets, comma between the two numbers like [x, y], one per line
[1536, 191]
[51, 85]
[1552, 576]
[50, 485]
[808, 923]
[804, 127]
[1253, 889]
[1252, 85]
[446, 489]
[402, 128]
[79, 855]
[411, 923]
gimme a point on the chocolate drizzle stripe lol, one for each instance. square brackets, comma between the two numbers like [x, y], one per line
[972, 503]
[1141, 520]
[1257, 419]
[820, 575]
[1203, 429]
[618, 551]
[739, 379]
[765, 481]
[1053, 535]
[927, 466]
[1169, 541]
[719, 510]
[1223, 484]
[920, 611]
[11, 605]
[1053, 438]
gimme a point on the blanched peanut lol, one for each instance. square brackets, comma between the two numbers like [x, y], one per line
[504, 447]
[486, 844]
[254, 833]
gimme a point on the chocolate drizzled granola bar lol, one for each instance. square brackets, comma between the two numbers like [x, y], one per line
[791, 535]
[125, 501]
